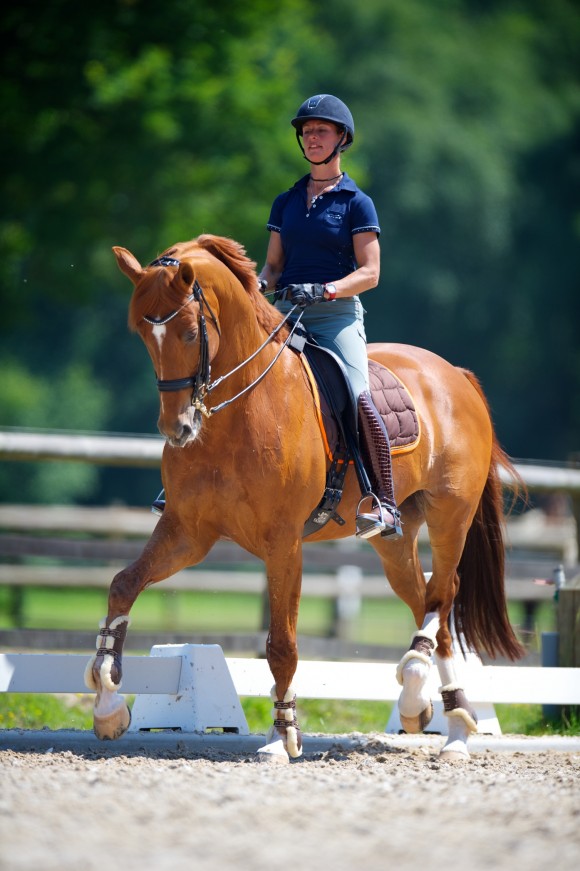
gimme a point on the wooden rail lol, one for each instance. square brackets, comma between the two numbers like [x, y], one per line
[88, 546]
[93, 544]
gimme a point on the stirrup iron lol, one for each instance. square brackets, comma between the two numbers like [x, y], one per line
[387, 520]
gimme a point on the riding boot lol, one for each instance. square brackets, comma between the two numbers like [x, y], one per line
[383, 516]
[158, 505]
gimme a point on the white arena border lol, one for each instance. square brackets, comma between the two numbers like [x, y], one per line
[194, 687]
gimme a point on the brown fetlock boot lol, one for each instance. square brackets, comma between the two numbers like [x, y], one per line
[383, 516]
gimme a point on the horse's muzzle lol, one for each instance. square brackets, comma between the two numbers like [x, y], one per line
[184, 430]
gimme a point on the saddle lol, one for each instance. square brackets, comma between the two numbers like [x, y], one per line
[338, 419]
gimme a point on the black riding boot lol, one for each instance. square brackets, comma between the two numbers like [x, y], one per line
[383, 515]
[158, 505]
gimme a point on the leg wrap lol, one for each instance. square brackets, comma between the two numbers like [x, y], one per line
[421, 648]
[110, 642]
[455, 704]
[285, 722]
[376, 450]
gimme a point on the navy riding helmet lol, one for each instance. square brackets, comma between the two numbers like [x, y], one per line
[325, 107]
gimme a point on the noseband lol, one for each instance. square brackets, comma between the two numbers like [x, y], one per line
[201, 381]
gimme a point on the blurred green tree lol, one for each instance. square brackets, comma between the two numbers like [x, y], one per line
[142, 124]
[468, 116]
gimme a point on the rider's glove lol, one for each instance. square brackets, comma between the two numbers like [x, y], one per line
[304, 294]
[262, 285]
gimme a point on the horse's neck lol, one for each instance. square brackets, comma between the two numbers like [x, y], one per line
[241, 336]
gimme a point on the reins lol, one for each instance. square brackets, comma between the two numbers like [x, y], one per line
[201, 382]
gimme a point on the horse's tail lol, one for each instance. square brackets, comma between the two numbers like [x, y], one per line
[480, 606]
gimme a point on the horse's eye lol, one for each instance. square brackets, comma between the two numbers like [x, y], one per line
[190, 336]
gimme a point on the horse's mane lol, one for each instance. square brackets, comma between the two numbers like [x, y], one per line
[157, 293]
[234, 256]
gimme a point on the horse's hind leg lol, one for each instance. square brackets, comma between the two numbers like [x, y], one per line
[167, 551]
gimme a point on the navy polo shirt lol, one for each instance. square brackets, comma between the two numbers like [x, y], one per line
[317, 243]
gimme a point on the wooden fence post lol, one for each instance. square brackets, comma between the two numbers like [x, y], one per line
[569, 630]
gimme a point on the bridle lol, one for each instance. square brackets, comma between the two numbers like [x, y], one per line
[201, 382]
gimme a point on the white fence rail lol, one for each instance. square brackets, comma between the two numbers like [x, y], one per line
[160, 675]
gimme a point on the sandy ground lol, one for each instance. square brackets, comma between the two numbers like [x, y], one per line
[361, 803]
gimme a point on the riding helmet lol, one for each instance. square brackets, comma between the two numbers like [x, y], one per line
[325, 107]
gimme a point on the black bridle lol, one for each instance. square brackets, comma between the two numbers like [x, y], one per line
[200, 382]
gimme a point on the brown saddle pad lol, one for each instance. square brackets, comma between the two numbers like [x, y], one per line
[395, 405]
[393, 402]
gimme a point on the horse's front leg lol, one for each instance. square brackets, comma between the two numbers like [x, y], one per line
[284, 739]
[167, 551]
[103, 675]
[415, 705]
[403, 569]
[448, 521]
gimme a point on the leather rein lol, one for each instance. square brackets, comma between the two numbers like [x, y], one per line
[200, 381]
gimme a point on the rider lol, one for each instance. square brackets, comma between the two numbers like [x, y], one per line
[322, 253]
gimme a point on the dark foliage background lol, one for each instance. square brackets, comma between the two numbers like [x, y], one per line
[142, 124]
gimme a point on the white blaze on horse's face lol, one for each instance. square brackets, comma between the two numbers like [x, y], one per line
[158, 332]
[178, 420]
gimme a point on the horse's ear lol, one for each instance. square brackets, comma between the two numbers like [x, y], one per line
[186, 273]
[128, 264]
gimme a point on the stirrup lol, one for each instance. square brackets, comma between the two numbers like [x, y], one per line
[387, 520]
[158, 505]
[396, 527]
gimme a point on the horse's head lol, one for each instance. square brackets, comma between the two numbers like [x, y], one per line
[175, 308]
[179, 327]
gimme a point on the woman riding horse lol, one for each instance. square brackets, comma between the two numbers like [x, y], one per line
[243, 438]
[324, 252]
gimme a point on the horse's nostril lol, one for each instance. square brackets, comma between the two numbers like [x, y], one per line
[179, 430]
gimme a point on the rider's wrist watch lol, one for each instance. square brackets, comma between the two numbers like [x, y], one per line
[330, 291]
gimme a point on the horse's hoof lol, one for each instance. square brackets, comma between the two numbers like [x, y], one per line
[112, 726]
[454, 756]
[273, 754]
[272, 759]
[415, 725]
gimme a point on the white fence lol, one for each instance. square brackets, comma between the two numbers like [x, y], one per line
[160, 675]
[194, 688]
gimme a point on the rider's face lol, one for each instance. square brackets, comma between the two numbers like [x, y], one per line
[320, 139]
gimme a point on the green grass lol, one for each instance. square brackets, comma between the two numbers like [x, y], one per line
[30, 711]
[380, 621]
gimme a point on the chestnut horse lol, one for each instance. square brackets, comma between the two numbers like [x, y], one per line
[245, 460]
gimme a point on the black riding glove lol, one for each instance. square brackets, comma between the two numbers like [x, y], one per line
[304, 294]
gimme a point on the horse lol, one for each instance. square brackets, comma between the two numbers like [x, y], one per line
[244, 460]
